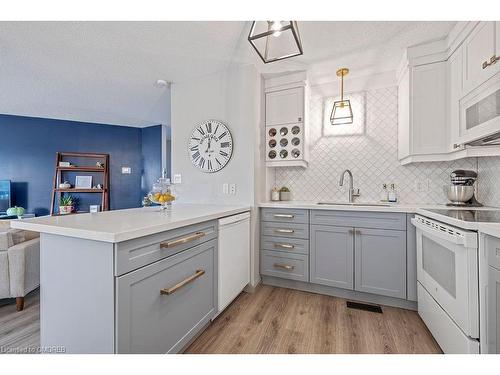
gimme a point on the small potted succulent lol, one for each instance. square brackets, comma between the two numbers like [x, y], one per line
[66, 204]
[285, 194]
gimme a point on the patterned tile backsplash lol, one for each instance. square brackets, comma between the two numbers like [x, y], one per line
[369, 149]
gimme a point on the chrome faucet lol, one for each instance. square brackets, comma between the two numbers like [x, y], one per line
[352, 192]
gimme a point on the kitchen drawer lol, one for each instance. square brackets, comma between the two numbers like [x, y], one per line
[161, 307]
[289, 245]
[493, 249]
[284, 265]
[139, 252]
[288, 230]
[285, 215]
[357, 219]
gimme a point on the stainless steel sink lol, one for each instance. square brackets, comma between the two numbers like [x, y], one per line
[353, 204]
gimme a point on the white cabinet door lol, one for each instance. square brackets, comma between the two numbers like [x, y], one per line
[479, 48]
[493, 307]
[428, 113]
[285, 106]
[404, 116]
[455, 74]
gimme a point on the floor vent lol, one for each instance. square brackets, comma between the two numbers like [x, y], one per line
[364, 306]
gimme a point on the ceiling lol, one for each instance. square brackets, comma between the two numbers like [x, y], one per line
[105, 72]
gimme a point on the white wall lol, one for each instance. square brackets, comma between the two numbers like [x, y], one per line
[233, 97]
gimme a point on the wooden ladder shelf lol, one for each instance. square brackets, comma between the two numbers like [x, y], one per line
[60, 171]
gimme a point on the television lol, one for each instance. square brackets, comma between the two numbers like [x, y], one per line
[5, 195]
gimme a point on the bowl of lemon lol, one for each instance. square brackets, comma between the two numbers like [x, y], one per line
[162, 193]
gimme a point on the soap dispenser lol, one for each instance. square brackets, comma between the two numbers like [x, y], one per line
[392, 194]
[384, 195]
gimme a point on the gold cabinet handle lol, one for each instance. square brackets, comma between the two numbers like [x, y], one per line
[176, 287]
[284, 231]
[283, 266]
[284, 216]
[283, 245]
[182, 240]
[493, 60]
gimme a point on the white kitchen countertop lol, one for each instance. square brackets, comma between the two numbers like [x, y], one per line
[391, 207]
[121, 225]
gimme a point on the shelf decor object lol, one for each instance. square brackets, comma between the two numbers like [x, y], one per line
[342, 111]
[275, 40]
[94, 163]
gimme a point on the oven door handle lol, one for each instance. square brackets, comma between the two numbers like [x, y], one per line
[440, 234]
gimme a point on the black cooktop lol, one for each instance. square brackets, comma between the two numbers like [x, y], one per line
[471, 215]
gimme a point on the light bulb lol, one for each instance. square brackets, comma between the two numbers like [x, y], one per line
[276, 25]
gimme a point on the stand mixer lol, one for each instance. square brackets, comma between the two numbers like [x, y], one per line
[461, 191]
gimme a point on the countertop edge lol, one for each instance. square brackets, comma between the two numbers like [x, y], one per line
[314, 206]
[122, 236]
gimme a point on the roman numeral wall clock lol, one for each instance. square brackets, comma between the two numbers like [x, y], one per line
[210, 146]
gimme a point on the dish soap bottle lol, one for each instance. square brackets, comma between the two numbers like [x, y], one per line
[384, 196]
[392, 194]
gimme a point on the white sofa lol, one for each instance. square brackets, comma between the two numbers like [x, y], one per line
[19, 263]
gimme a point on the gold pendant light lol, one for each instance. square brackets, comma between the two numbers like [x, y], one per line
[342, 111]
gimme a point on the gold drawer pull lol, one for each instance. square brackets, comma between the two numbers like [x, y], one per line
[284, 231]
[284, 266]
[284, 245]
[176, 287]
[182, 240]
[284, 216]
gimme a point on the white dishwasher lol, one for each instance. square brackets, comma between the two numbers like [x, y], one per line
[234, 257]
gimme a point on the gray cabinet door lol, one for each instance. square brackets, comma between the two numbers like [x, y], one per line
[332, 256]
[380, 262]
[162, 306]
[493, 308]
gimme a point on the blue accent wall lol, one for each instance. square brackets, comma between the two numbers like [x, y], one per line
[27, 157]
[151, 156]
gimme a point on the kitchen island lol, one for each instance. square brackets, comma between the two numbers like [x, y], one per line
[128, 281]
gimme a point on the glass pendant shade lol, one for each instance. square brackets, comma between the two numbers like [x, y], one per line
[342, 111]
[275, 40]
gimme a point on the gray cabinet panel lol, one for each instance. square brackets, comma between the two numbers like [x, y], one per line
[332, 256]
[285, 215]
[493, 248]
[288, 230]
[493, 311]
[411, 259]
[284, 265]
[133, 254]
[382, 220]
[290, 245]
[150, 322]
[380, 262]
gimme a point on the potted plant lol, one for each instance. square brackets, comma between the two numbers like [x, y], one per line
[285, 194]
[66, 204]
[15, 211]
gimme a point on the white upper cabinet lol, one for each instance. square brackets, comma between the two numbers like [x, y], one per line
[285, 106]
[449, 96]
[455, 87]
[286, 121]
[480, 49]
[422, 112]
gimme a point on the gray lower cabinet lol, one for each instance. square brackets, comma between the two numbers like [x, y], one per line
[284, 265]
[332, 256]
[493, 311]
[161, 307]
[380, 262]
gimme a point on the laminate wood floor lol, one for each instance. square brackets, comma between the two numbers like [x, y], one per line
[271, 320]
[278, 320]
[20, 330]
